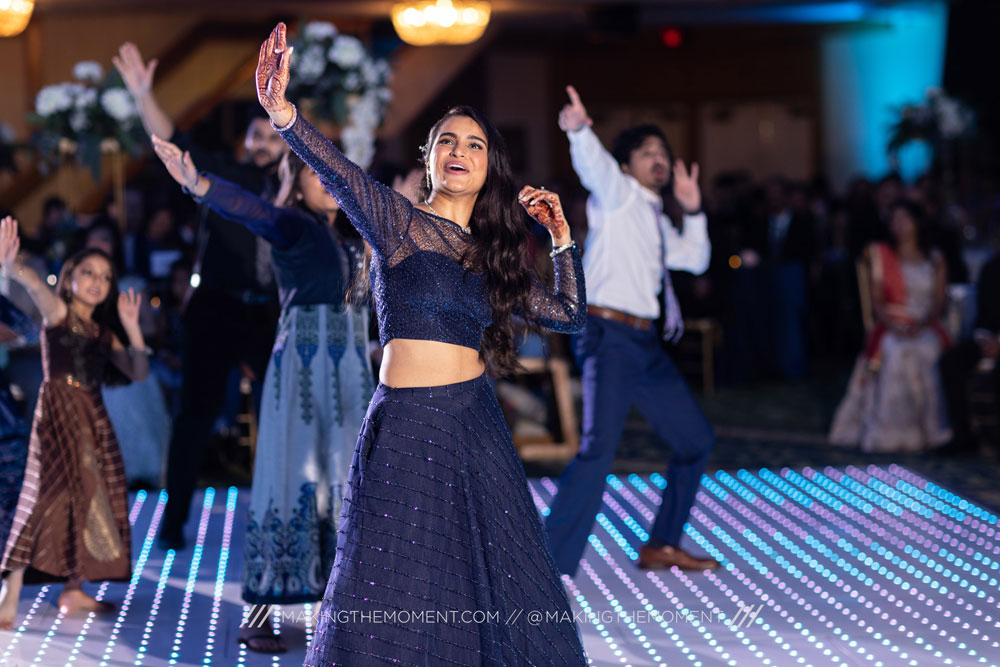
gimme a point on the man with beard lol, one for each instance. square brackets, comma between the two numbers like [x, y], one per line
[231, 313]
[630, 247]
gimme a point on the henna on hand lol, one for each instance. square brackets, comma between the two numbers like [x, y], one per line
[545, 207]
[273, 71]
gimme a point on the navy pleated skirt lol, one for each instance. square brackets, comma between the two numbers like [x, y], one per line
[441, 557]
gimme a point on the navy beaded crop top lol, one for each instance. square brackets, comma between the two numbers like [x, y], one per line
[420, 288]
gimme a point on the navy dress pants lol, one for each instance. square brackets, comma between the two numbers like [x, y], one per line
[622, 367]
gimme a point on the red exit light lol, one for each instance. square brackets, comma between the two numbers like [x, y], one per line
[672, 37]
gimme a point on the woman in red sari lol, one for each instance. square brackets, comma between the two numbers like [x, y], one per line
[894, 400]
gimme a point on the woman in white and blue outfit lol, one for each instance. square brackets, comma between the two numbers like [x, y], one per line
[316, 390]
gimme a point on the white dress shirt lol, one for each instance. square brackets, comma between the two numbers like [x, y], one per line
[622, 263]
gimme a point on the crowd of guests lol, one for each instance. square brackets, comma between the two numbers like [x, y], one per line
[881, 277]
[783, 284]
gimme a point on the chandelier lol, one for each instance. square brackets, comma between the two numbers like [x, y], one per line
[14, 16]
[439, 21]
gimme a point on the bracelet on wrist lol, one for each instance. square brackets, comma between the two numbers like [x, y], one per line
[190, 191]
[148, 351]
[562, 248]
[295, 116]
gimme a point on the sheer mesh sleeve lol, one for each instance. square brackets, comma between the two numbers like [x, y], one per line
[564, 309]
[380, 214]
[282, 227]
[133, 363]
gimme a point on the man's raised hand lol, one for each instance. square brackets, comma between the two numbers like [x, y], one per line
[574, 115]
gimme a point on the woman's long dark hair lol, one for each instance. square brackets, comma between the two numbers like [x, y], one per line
[106, 312]
[921, 226]
[290, 192]
[500, 238]
[290, 195]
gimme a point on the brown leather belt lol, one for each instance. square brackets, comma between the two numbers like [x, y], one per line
[640, 323]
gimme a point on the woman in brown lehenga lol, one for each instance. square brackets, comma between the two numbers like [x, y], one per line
[71, 522]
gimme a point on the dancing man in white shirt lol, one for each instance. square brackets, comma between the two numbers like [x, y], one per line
[631, 244]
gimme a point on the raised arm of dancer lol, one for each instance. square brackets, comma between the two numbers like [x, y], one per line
[381, 215]
[599, 172]
[138, 78]
[133, 361]
[282, 227]
[690, 249]
[51, 307]
[563, 309]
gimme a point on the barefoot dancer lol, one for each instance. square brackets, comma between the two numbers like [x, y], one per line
[316, 389]
[71, 522]
[437, 513]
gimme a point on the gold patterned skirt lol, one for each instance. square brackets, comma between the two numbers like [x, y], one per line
[71, 520]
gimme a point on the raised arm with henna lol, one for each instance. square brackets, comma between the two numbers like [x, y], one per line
[273, 75]
[51, 307]
[381, 215]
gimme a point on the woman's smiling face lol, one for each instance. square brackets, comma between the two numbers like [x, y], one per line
[458, 161]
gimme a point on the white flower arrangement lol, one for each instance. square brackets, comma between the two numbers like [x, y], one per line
[88, 70]
[89, 115]
[316, 31]
[336, 77]
[938, 117]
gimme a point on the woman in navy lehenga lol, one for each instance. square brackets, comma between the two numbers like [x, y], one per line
[441, 556]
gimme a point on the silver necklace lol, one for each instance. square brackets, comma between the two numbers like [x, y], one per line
[467, 230]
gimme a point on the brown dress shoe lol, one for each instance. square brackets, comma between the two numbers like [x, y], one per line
[653, 558]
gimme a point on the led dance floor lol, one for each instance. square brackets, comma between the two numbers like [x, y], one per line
[820, 567]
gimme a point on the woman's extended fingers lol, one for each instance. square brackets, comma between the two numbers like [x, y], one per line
[282, 44]
[165, 150]
[273, 68]
[8, 228]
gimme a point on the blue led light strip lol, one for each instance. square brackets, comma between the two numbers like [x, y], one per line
[199, 550]
[154, 610]
[865, 560]
[140, 565]
[81, 637]
[924, 528]
[906, 545]
[748, 535]
[35, 604]
[220, 577]
[655, 497]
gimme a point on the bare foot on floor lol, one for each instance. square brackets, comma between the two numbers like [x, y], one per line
[262, 640]
[78, 601]
[8, 610]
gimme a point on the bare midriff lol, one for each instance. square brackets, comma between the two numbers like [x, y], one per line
[427, 363]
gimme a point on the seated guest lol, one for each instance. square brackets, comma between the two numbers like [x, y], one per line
[894, 402]
[960, 362]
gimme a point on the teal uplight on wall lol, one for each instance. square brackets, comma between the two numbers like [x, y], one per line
[804, 12]
[869, 69]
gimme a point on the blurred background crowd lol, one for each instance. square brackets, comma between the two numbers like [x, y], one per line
[823, 129]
